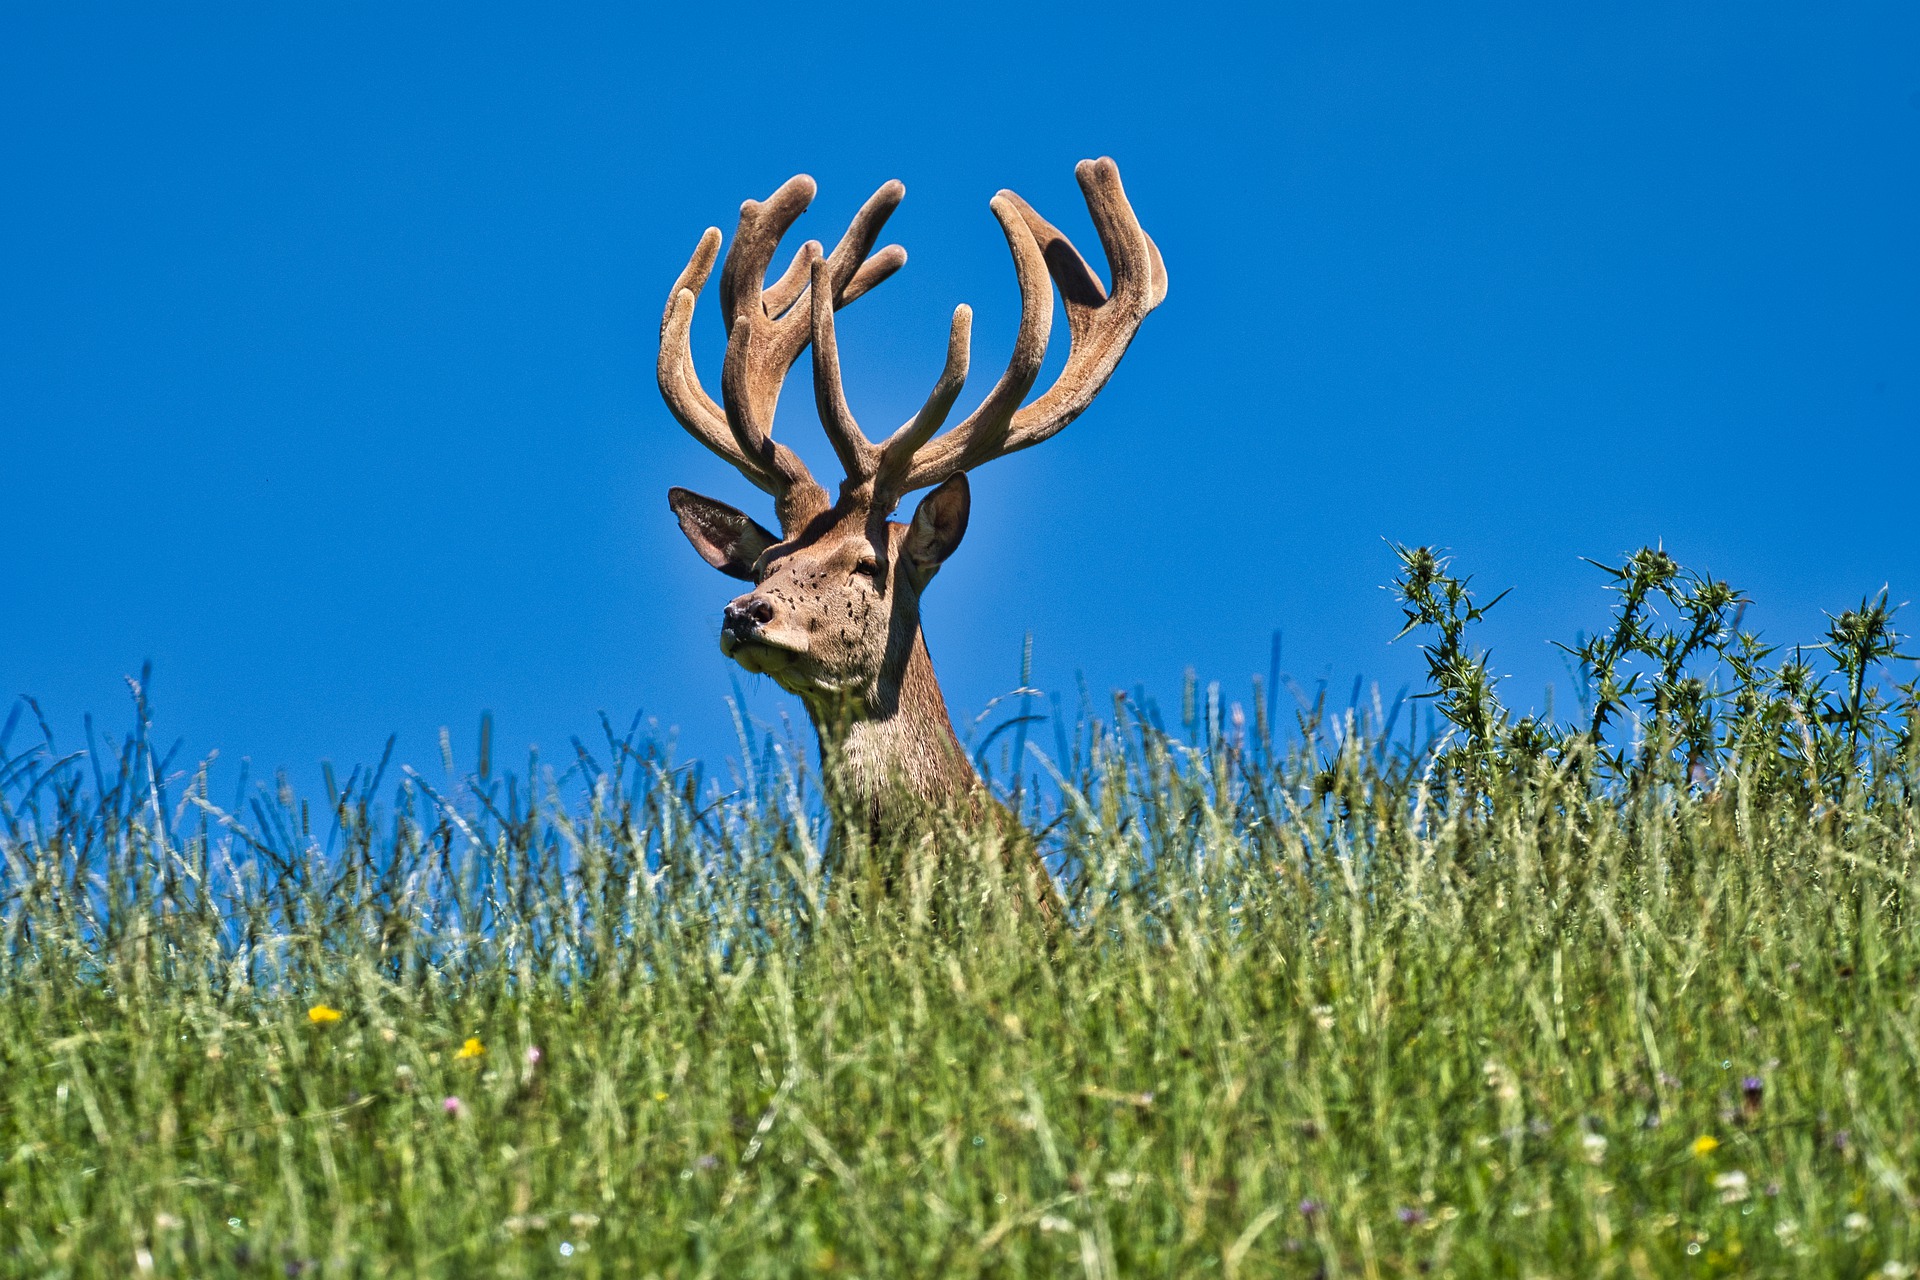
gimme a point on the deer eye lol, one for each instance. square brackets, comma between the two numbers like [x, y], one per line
[869, 569]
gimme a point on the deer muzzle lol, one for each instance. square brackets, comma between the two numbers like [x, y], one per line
[747, 634]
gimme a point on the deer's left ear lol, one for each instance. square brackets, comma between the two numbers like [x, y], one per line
[727, 538]
[939, 522]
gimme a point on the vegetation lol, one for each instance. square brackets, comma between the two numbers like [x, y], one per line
[1633, 995]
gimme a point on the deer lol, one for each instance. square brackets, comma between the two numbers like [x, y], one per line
[833, 615]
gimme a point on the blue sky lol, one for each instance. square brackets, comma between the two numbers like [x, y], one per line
[326, 360]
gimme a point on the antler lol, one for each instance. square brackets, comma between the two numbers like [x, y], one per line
[767, 329]
[1101, 326]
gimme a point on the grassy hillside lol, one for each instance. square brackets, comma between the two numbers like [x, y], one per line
[1633, 996]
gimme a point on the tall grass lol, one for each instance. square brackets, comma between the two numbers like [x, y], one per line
[1632, 995]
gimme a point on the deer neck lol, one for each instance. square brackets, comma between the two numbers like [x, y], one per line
[894, 737]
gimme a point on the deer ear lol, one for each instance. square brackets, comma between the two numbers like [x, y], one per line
[939, 522]
[728, 539]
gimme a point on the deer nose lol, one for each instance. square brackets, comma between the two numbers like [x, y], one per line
[743, 617]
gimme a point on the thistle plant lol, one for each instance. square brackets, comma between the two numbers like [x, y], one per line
[1660, 675]
[1460, 678]
[1859, 640]
[1676, 690]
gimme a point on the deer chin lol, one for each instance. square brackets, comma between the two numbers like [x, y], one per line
[762, 654]
[791, 669]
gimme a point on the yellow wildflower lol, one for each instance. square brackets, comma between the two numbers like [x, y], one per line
[320, 1015]
[659, 1097]
[1705, 1145]
[472, 1048]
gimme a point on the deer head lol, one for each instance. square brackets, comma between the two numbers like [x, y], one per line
[834, 613]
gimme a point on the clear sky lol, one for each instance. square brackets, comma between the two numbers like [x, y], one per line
[326, 353]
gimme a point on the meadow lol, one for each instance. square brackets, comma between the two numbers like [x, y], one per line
[1360, 989]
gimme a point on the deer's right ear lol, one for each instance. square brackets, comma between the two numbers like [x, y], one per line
[728, 539]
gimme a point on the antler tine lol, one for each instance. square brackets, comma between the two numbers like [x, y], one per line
[850, 256]
[771, 465]
[1100, 325]
[782, 293]
[896, 455]
[680, 385]
[872, 272]
[750, 384]
[762, 224]
[857, 455]
[980, 435]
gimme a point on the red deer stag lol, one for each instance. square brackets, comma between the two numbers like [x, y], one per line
[834, 613]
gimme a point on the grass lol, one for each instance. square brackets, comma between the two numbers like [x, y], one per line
[1522, 1000]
